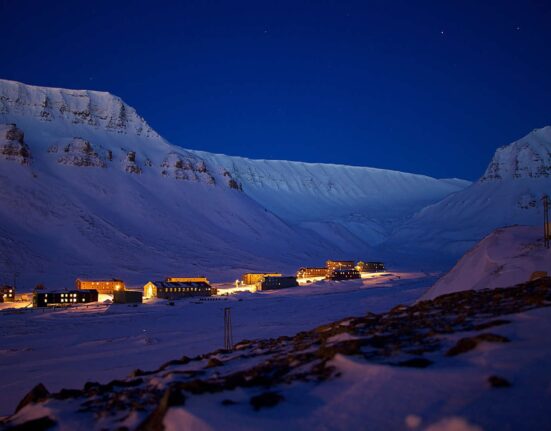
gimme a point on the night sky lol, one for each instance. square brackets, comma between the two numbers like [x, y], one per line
[425, 87]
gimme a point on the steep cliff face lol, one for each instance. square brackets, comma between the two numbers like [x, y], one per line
[97, 109]
[529, 157]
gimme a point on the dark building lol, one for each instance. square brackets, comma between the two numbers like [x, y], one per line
[339, 264]
[7, 293]
[343, 274]
[176, 289]
[279, 282]
[127, 297]
[255, 277]
[70, 297]
[311, 272]
[370, 266]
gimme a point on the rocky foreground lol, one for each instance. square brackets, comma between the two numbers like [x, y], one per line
[256, 373]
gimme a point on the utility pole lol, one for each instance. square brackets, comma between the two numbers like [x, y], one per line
[546, 224]
[228, 337]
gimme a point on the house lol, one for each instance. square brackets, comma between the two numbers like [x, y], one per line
[71, 297]
[370, 266]
[339, 264]
[106, 287]
[176, 289]
[255, 277]
[127, 297]
[7, 293]
[276, 282]
[343, 274]
[311, 272]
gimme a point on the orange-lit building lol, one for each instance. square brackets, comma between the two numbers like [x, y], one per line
[255, 277]
[176, 289]
[7, 294]
[102, 286]
[339, 264]
[311, 272]
[187, 280]
[276, 282]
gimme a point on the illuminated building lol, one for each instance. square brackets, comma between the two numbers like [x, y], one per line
[343, 274]
[187, 279]
[370, 266]
[7, 294]
[102, 286]
[176, 289]
[311, 272]
[339, 264]
[255, 277]
[71, 297]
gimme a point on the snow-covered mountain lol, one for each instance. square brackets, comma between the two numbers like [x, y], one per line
[88, 188]
[509, 192]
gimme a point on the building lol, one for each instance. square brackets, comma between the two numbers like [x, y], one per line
[71, 297]
[339, 264]
[187, 279]
[106, 287]
[311, 272]
[370, 266]
[7, 293]
[176, 289]
[276, 282]
[255, 277]
[127, 297]
[343, 274]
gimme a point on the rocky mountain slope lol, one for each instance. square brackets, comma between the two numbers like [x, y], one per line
[508, 193]
[88, 188]
[445, 363]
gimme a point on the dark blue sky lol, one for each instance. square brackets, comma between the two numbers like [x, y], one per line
[426, 87]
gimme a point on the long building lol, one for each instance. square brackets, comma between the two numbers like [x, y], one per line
[339, 264]
[176, 289]
[370, 266]
[255, 277]
[276, 282]
[106, 287]
[343, 274]
[187, 279]
[71, 297]
[311, 272]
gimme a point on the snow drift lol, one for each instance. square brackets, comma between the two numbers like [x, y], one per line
[504, 258]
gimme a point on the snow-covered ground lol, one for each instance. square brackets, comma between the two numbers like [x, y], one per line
[506, 257]
[98, 343]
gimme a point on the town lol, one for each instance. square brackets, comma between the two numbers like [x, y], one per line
[114, 290]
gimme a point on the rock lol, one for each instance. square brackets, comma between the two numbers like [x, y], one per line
[498, 382]
[415, 363]
[79, 152]
[12, 144]
[469, 343]
[171, 398]
[266, 399]
[40, 424]
[36, 394]
[214, 362]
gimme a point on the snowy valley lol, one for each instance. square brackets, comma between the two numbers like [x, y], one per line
[87, 185]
